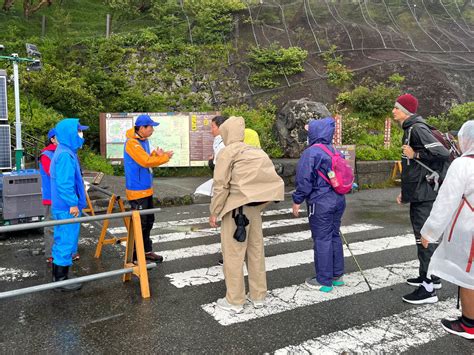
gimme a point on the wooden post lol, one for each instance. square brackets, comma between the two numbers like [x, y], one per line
[135, 241]
[337, 139]
[387, 133]
[43, 25]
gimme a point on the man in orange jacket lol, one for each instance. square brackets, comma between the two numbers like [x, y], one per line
[138, 161]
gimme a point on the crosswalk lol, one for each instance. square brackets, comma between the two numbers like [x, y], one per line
[182, 240]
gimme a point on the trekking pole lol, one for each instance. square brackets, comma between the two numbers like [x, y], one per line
[357, 263]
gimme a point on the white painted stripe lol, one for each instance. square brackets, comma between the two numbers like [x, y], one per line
[388, 335]
[215, 273]
[206, 232]
[9, 275]
[296, 296]
[200, 220]
[208, 249]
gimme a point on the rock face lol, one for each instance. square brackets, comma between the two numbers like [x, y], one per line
[290, 122]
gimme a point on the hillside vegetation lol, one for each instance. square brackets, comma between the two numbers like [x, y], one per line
[246, 57]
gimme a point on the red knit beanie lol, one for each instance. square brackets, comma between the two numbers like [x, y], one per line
[407, 102]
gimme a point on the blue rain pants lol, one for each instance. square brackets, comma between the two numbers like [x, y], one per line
[66, 238]
[325, 220]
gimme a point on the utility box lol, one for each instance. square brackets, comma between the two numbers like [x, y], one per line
[21, 196]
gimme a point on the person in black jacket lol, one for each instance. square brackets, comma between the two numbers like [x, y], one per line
[419, 145]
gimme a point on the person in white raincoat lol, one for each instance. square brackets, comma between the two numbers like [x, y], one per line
[452, 218]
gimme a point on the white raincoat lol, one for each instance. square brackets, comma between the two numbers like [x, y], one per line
[452, 218]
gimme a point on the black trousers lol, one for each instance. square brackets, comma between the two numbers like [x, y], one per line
[419, 213]
[146, 220]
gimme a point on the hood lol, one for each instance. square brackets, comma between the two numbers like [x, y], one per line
[66, 133]
[132, 135]
[410, 121]
[321, 131]
[251, 138]
[232, 130]
[466, 138]
[51, 147]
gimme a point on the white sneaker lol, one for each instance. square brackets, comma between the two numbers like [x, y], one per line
[222, 303]
[256, 304]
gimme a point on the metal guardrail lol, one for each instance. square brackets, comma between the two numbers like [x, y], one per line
[140, 270]
[25, 226]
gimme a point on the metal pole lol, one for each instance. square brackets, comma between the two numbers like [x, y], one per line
[25, 226]
[53, 285]
[107, 26]
[104, 191]
[19, 148]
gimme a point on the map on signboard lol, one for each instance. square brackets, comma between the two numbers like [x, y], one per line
[115, 151]
[116, 129]
[172, 134]
[200, 138]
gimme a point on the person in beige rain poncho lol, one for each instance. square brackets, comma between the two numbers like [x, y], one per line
[452, 219]
[245, 177]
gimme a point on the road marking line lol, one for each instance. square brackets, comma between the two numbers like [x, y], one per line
[200, 220]
[215, 273]
[393, 334]
[208, 249]
[296, 296]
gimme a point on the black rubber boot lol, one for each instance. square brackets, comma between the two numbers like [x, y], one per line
[60, 273]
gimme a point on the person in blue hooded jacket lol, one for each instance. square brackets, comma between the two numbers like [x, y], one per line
[68, 196]
[325, 206]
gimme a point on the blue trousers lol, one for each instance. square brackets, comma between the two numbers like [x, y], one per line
[66, 237]
[325, 220]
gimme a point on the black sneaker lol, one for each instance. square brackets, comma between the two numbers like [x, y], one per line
[417, 281]
[421, 296]
[458, 328]
[220, 262]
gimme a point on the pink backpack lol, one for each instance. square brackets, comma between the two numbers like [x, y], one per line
[341, 176]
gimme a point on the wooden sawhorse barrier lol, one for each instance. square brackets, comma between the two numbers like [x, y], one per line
[397, 168]
[135, 241]
[113, 240]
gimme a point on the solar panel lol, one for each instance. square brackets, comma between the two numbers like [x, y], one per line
[3, 96]
[5, 147]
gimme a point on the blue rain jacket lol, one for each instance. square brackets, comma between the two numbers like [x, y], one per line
[67, 186]
[309, 185]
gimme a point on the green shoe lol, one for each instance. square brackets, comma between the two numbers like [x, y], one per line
[338, 281]
[311, 282]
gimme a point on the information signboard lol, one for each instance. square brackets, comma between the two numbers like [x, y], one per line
[188, 135]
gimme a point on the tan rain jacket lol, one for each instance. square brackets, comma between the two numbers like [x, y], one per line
[243, 174]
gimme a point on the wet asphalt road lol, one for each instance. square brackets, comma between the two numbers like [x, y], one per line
[109, 316]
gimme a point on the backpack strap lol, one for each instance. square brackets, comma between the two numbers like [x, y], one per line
[328, 152]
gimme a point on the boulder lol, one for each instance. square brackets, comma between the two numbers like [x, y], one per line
[290, 122]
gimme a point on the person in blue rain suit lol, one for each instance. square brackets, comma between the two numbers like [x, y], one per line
[325, 207]
[68, 196]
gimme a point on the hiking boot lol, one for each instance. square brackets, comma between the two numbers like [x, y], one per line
[60, 273]
[312, 283]
[421, 296]
[338, 281]
[222, 303]
[458, 328]
[417, 281]
[256, 303]
[154, 257]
